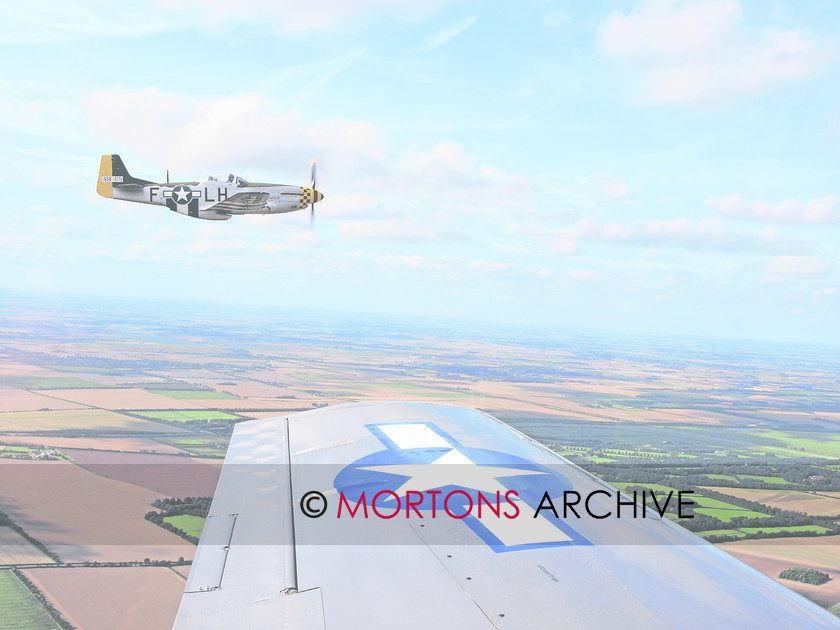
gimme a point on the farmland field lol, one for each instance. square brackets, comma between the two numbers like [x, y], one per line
[192, 394]
[81, 419]
[15, 549]
[15, 399]
[186, 416]
[83, 516]
[19, 610]
[129, 398]
[48, 382]
[170, 475]
[192, 525]
[107, 598]
[772, 556]
[204, 445]
[822, 503]
[109, 387]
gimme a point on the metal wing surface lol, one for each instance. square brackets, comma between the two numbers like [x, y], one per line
[263, 563]
[242, 203]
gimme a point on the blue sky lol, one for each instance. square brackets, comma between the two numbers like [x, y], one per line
[633, 166]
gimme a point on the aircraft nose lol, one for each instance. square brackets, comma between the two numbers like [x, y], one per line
[318, 196]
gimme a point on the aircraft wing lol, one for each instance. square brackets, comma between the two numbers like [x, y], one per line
[447, 560]
[241, 203]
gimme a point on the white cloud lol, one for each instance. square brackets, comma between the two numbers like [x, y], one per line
[350, 205]
[686, 233]
[563, 245]
[825, 293]
[659, 27]
[585, 274]
[216, 133]
[816, 211]
[391, 229]
[208, 245]
[301, 238]
[699, 53]
[607, 186]
[43, 21]
[797, 266]
[456, 180]
[415, 261]
[482, 264]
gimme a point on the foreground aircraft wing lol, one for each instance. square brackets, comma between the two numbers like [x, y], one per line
[448, 560]
[242, 203]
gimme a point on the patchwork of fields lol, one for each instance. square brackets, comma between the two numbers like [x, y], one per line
[143, 412]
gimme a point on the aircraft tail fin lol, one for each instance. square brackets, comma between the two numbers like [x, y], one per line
[112, 172]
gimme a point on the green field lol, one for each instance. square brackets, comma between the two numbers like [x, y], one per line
[192, 525]
[778, 480]
[195, 394]
[50, 382]
[791, 528]
[204, 445]
[187, 415]
[19, 610]
[825, 446]
[81, 368]
[727, 515]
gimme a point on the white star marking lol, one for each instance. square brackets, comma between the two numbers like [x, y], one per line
[182, 194]
[461, 471]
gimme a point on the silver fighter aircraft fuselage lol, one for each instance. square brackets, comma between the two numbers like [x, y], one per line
[216, 198]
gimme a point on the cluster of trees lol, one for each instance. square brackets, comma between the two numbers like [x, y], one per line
[60, 621]
[808, 576]
[193, 506]
[685, 476]
[157, 519]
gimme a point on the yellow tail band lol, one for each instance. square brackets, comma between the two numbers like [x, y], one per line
[103, 185]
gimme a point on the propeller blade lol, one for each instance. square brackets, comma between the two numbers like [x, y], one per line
[313, 176]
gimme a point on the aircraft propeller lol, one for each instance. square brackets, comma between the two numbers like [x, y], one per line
[314, 177]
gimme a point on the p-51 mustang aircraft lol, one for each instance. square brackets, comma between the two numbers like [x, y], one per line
[216, 198]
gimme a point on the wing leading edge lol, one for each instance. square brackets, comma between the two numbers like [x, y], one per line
[262, 563]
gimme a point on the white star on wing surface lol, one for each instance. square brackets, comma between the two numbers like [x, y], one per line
[460, 471]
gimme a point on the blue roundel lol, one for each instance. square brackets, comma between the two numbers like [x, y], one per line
[422, 468]
[515, 473]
